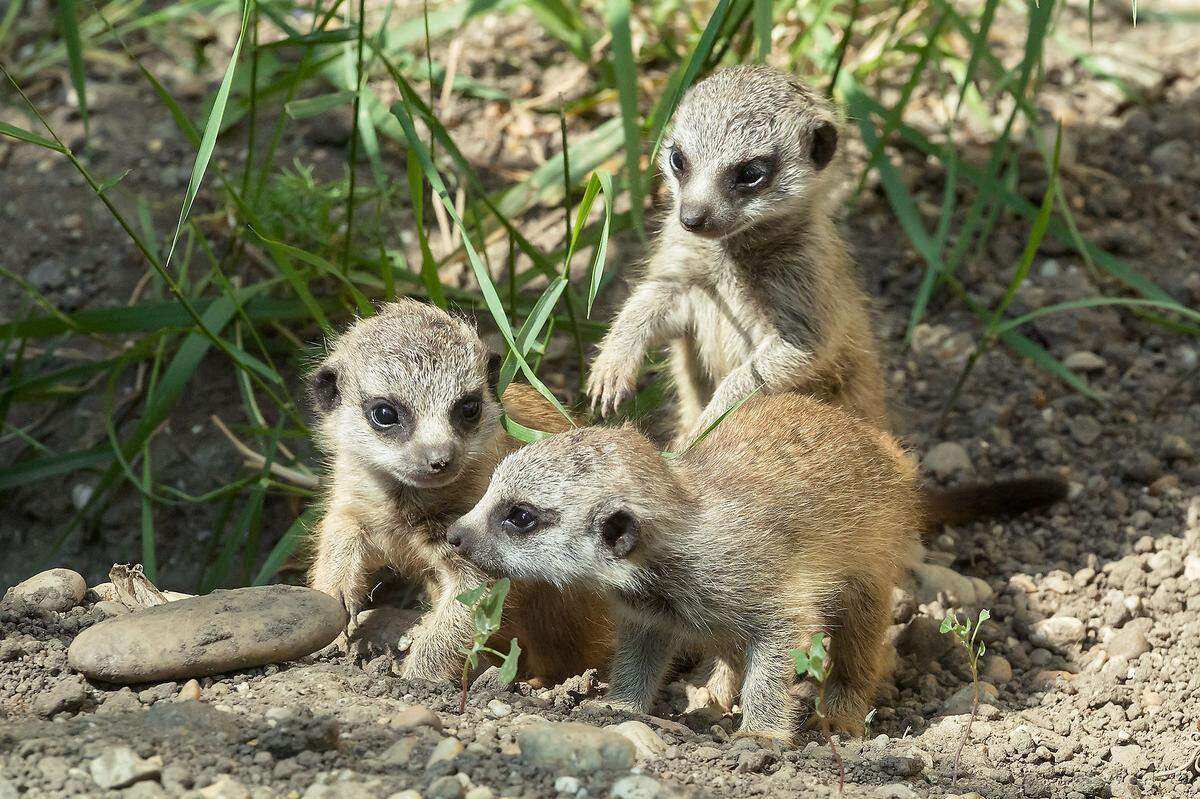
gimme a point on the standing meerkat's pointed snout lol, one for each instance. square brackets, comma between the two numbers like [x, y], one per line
[791, 517]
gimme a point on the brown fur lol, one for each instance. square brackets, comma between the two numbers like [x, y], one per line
[766, 298]
[374, 520]
[824, 507]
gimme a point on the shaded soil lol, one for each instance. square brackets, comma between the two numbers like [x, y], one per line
[1109, 711]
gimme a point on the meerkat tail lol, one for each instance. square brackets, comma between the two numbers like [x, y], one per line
[967, 503]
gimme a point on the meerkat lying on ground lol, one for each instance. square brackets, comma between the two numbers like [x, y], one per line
[790, 518]
[409, 418]
[750, 281]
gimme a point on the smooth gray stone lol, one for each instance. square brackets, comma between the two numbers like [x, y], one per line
[223, 631]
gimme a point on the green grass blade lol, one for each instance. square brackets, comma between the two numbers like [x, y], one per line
[979, 46]
[149, 553]
[32, 471]
[74, 43]
[897, 113]
[762, 28]
[429, 270]
[486, 287]
[10, 16]
[695, 63]
[443, 138]
[1029, 349]
[903, 205]
[708, 430]
[625, 73]
[1040, 223]
[20, 134]
[335, 36]
[529, 332]
[326, 267]
[208, 139]
[600, 254]
[292, 540]
[1092, 302]
[312, 106]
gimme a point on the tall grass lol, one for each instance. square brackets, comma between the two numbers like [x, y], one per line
[325, 250]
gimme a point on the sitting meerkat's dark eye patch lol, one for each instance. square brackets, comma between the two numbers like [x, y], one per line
[387, 416]
[753, 175]
[467, 410]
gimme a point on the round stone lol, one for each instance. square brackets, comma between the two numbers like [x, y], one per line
[56, 589]
[222, 631]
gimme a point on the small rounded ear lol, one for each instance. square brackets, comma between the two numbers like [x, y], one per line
[620, 532]
[824, 144]
[325, 391]
[493, 369]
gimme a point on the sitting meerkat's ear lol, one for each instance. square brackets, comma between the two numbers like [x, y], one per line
[324, 389]
[493, 370]
[619, 528]
[824, 143]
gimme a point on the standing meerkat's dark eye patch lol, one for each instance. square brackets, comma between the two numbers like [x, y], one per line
[824, 144]
[325, 389]
[388, 417]
[678, 161]
[753, 175]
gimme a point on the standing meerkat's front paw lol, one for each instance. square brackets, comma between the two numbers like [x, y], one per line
[612, 382]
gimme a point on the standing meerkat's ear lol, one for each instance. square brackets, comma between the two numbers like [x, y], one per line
[824, 143]
[493, 372]
[324, 388]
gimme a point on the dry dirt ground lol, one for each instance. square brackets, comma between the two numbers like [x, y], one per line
[1094, 646]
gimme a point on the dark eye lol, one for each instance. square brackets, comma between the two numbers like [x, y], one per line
[751, 175]
[678, 162]
[384, 414]
[520, 519]
[470, 407]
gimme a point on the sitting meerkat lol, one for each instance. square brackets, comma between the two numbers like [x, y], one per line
[751, 283]
[408, 416]
[790, 518]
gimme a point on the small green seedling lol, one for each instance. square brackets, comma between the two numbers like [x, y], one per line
[814, 663]
[486, 604]
[967, 635]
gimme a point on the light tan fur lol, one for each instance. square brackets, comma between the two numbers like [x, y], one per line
[765, 296]
[792, 517]
[376, 517]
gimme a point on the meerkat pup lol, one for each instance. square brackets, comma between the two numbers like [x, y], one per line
[408, 416]
[749, 281]
[792, 517]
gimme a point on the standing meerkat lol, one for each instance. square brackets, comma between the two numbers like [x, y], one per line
[751, 283]
[790, 518]
[408, 415]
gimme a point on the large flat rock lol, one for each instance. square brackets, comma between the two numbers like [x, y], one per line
[223, 631]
